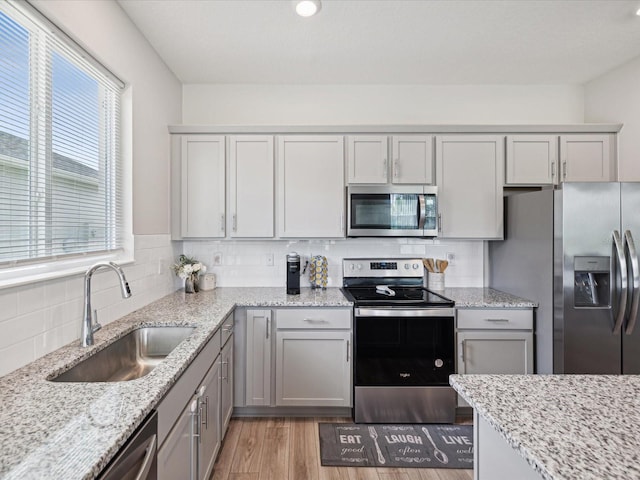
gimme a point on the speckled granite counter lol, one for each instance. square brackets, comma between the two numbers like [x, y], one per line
[71, 430]
[486, 298]
[565, 426]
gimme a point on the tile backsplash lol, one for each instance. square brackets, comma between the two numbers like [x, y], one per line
[263, 263]
[38, 318]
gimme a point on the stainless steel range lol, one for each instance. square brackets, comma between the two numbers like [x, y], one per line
[404, 344]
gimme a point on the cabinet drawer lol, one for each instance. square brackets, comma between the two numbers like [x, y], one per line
[226, 329]
[313, 318]
[495, 319]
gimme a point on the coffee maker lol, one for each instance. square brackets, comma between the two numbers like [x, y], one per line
[293, 274]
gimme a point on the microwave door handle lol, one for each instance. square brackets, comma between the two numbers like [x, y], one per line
[635, 281]
[622, 265]
[423, 212]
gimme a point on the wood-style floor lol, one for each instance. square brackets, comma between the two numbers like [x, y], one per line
[289, 449]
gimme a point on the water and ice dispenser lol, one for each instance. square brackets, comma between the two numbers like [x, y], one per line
[592, 281]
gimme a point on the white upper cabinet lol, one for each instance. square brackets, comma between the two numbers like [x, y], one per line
[367, 159]
[586, 158]
[532, 159]
[412, 159]
[202, 186]
[251, 186]
[311, 194]
[470, 177]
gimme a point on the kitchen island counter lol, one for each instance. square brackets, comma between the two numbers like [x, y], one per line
[71, 430]
[564, 427]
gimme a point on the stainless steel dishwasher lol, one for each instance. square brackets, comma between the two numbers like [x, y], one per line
[137, 460]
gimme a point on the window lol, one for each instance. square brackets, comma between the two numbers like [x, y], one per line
[60, 167]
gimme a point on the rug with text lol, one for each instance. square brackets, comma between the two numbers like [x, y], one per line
[418, 446]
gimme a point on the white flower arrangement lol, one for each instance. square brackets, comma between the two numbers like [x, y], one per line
[188, 267]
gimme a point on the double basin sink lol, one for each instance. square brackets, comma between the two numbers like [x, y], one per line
[130, 357]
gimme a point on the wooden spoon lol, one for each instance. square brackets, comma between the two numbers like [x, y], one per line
[443, 265]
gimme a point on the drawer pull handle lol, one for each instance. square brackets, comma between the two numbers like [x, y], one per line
[497, 320]
[314, 320]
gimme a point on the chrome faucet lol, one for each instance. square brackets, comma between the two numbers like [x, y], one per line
[88, 325]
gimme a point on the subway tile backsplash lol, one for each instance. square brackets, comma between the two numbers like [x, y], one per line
[248, 263]
[39, 318]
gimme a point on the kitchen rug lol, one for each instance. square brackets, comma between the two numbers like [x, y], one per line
[418, 446]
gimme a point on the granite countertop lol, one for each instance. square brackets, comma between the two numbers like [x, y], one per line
[71, 430]
[486, 298]
[567, 427]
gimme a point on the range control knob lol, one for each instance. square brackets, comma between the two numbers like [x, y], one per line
[415, 266]
[352, 267]
[438, 363]
[407, 266]
[359, 266]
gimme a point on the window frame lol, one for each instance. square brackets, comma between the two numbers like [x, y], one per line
[24, 271]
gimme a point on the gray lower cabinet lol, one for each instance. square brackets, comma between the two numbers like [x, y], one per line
[226, 384]
[190, 416]
[297, 357]
[494, 340]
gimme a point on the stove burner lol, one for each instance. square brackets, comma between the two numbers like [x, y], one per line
[403, 296]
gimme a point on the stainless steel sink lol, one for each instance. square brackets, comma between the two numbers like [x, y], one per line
[130, 357]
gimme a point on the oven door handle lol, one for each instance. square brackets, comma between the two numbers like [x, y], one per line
[403, 312]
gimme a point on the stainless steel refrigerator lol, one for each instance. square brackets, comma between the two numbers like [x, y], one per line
[572, 251]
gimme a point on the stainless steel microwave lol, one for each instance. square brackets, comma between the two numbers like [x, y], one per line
[392, 211]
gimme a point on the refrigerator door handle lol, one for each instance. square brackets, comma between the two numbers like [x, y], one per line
[635, 271]
[622, 265]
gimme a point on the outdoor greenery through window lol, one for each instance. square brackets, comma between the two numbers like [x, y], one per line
[60, 178]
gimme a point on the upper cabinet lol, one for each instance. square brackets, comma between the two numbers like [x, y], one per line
[251, 186]
[532, 159]
[552, 159]
[367, 159]
[470, 177]
[411, 159]
[201, 168]
[586, 158]
[311, 186]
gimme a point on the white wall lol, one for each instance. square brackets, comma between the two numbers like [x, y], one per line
[615, 98]
[38, 318]
[381, 104]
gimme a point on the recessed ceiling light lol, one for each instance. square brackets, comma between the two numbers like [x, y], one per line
[307, 8]
[638, 12]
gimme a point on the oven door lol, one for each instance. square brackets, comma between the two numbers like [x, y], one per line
[391, 211]
[402, 363]
[404, 347]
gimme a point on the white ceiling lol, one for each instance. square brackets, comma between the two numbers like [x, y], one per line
[390, 41]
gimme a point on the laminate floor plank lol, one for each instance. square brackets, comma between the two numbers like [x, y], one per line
[289, 449]
[248, 454]
[304, 459]
[222, 467]
[275, 454]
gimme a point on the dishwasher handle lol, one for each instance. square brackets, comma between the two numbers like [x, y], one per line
[147, 463]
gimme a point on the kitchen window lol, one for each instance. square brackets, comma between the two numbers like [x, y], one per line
[61, 187]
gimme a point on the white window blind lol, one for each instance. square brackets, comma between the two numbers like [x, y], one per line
[60, 168]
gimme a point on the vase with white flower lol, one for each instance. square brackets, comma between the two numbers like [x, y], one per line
[188, 269]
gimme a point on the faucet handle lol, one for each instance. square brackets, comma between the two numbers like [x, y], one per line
[96, 326]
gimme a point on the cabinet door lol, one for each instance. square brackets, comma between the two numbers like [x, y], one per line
[532, 159]
[470, 178]
[412, 159]
[367, 159]
[177, 457]
[586, 158]
[251, 186]
[210, 438]
[258, 374]
[311, 186]
[313, 368]
[495, 352]
[202, 186]
[226, 385]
